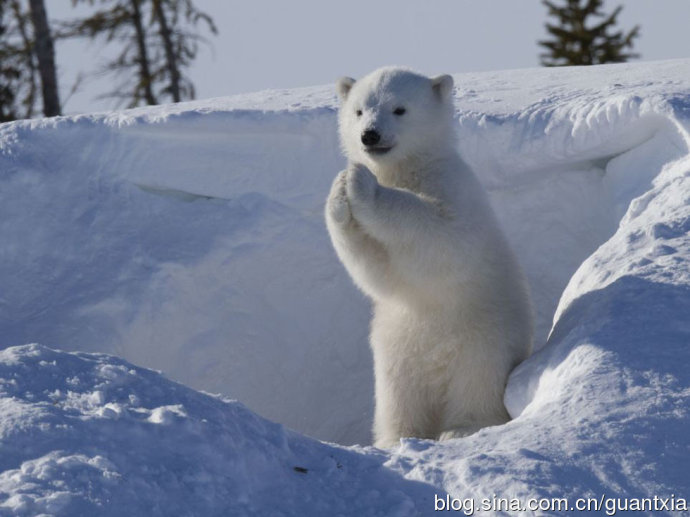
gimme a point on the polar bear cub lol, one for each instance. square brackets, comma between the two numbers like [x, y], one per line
[414, 228]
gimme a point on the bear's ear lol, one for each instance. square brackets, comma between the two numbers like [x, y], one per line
[442, 85]
[344, 85]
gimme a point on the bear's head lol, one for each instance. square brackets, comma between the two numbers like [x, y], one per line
[393, 115]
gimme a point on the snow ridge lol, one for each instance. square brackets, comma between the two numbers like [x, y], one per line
[90, 434]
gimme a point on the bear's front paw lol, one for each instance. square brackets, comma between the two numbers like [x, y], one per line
[337, 205]
[361, 184]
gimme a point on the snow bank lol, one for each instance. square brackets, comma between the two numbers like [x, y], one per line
[192, 244]
[90, 434]
[190, 239]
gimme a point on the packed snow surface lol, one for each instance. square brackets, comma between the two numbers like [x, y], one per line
[189, 239]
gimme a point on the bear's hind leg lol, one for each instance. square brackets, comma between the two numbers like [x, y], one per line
[402, 412]
[474, 401]
[462, 431]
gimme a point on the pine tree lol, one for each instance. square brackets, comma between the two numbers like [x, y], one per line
[9, 73]
[177, 21]
[145, 84]
[158, 41]
[121, 22]
[577, 42]
[45, 55]
[19, 78]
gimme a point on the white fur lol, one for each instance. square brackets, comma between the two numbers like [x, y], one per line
[415, 231]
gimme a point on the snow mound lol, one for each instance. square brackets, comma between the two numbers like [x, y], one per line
[190, 239]
[90, 434]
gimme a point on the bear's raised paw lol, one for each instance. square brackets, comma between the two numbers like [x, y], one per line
[361, 184]
[337, 204]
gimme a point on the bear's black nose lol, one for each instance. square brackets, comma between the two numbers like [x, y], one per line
[371, 137]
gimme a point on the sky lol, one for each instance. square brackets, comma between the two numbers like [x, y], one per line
[278, 44]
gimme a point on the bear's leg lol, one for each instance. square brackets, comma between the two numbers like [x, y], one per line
[459, 426]
[337, 206]
[460, 432]
[402, 411]
[474, 401]
[391, 216]
[412, 229]
[363, 257]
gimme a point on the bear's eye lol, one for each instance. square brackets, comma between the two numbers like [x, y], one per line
[358, 113]
[399, 111]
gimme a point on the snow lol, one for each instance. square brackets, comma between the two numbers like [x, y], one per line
[189, 239]
[90, 434]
